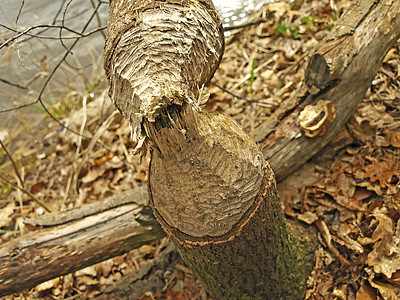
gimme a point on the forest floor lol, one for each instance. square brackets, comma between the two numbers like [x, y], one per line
[348, 194]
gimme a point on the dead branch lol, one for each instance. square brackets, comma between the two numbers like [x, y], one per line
[340, 72]
[76, 239]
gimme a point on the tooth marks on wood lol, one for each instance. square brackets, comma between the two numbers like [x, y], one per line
[159, 54]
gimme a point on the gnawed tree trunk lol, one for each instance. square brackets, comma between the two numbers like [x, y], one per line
[210, 187]
[342, 79]
[216, 197]
[77, 239]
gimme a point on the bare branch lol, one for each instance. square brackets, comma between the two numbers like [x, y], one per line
[242, 98]
[62, 60]
[63, 25]
[13, 163]
[19, 13]
[13, 84]
[98, 19]
[32, 196]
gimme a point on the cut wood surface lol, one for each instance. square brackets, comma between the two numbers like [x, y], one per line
[159, 53]
[113, 227]
[340, 71]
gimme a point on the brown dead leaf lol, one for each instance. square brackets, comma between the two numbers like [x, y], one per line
[324, 288]
[375, 114]
[308, 217]
[394, 138]
[392, 53]
[88, 271]
[395, 278]
[99, 170]
[346, 184]
[362, 194]
[386, 290]
[141, 176]
[100, 187]
[175, 295]
[381, 171]
[83, 281]
[349, 203]
[349, 243]
[366, 292]
[104, 268]
[106, 281]
[280, 9]
[147, 250]
[385, 256]
[37, 187]
[47, 285]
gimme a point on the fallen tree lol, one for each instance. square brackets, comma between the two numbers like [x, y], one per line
[341, 80]
[77, 238]
[340, 72]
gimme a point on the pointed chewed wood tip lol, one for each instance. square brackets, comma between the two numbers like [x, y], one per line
[159, 54]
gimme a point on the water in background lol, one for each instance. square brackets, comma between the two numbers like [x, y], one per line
[235, 12]
[38, 56]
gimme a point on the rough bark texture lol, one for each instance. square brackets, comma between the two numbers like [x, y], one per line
[341, 71]
[55, 251]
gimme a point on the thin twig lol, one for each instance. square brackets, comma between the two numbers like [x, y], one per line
[13, 84]
[26, 31]
[39, 98]
[63, 25]
[233, 27]
[242, 98]
[98, 19]
[13, 163]
[44, 37]
[26, 192]
[19, 13]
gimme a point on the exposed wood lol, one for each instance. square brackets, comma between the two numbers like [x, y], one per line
[211, 188]
[159, 53]
[205, 173]
[338, 73]
[55, 251]
[341, 72]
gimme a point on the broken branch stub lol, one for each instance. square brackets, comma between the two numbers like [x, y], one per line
[159, 53]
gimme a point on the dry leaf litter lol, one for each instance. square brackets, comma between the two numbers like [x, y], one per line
[349, 197]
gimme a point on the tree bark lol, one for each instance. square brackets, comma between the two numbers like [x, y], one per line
[337, 73]
[340, 71]
[210, 187]
[80, 238]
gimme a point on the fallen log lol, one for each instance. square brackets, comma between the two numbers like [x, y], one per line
[339, 72]
[332, 75]
[76, 239]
